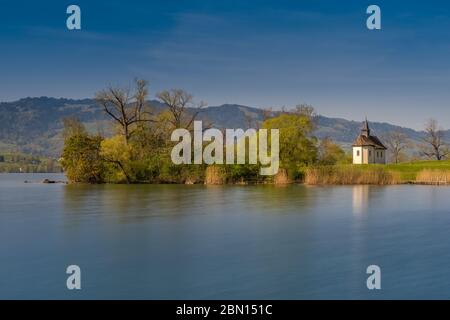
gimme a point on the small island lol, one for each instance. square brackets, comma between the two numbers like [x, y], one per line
[138, 150]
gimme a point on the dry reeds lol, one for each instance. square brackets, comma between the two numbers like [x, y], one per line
[281, 177]
[215, 175]
[433, 176]
[350, 175]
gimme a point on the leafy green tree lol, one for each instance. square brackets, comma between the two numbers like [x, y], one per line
[117, 153]
[81, 159]
[330, 153]
[297, 145]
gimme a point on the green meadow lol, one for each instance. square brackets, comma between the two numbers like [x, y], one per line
[409, 170]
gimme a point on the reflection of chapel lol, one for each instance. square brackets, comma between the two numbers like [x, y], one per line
[367, 148]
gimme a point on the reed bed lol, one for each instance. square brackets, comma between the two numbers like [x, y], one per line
[351, 174]
[433, 176]
[215, 175]
[281, 177]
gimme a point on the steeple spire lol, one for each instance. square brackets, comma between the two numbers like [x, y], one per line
[365, 131]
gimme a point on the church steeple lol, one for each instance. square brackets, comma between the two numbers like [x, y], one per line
[365, 131]
[368, 148]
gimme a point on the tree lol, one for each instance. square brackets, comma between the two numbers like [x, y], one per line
[181, 106]
[267, 113]
[308, 111]
[73, 127]
[117, 152]
[305, 110]
[434, 145]
[249, 120]
[396, 142]
[297, 146]
[126, 108]
[81, 158]
[329, 153]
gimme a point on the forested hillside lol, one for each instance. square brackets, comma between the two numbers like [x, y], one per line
[34, 125]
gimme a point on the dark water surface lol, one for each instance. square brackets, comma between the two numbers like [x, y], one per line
[220, 242]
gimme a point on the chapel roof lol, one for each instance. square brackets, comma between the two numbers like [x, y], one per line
[365, 139]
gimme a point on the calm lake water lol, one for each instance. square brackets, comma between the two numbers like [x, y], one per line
[222, 242]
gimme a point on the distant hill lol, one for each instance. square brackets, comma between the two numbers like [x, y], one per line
[34, 125]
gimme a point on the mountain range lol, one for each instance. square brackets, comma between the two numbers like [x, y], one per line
[34, 125]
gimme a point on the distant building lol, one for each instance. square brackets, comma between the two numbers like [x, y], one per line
[367, 148]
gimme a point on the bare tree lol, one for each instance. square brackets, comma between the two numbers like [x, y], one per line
[126, 108]
[181, 106]
[308, 111]
[305, 110]
[434, 145]
[267, 113]
[396, 142]
[249, 120]
[73, 127]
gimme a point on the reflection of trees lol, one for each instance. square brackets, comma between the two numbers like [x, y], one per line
[140, 201]
[131, 201]
[281, 198]
[79, 197]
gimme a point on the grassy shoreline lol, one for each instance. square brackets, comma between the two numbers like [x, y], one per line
[418, 172]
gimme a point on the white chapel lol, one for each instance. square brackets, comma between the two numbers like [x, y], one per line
[367, 148]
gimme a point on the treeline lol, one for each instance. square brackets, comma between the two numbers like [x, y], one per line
[433, 145]
[18, 162]
[139, 151]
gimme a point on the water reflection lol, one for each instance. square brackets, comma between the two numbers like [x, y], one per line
[133, 201]
[138, 201]
[223, 242]
[360, 199]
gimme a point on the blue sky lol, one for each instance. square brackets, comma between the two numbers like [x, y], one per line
[258, 53]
